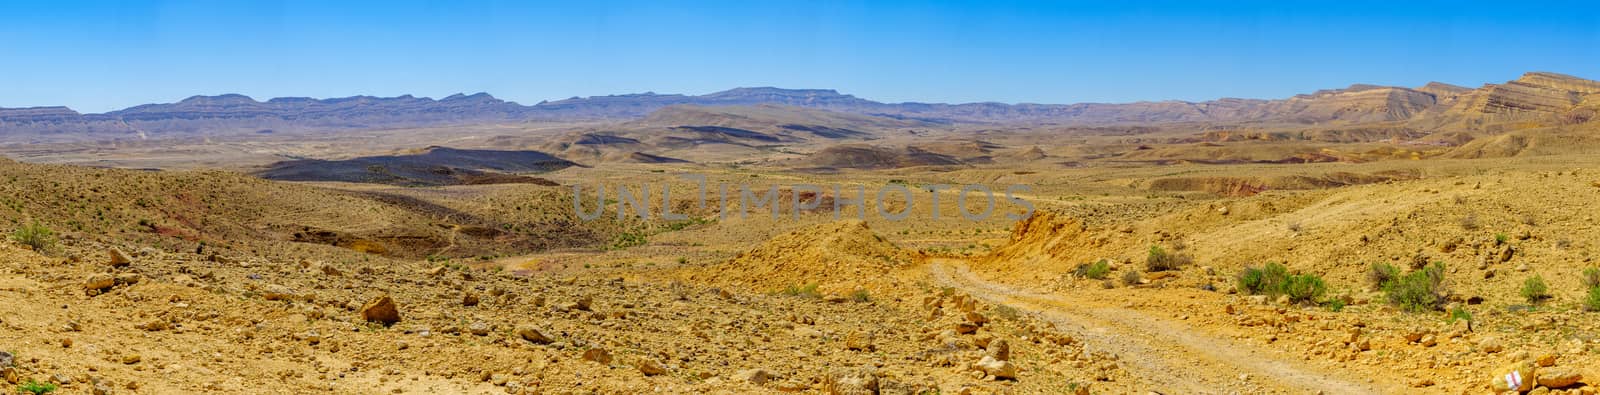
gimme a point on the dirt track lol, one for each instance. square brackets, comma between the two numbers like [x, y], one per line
[1173, 357]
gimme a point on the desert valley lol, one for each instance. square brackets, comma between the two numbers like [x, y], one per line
[1366, 239]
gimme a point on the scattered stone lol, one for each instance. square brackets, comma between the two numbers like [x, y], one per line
[99, 282]
[479, 328]
[966, 328]
[1491, 345]
[974, 317]
[999, 350]
[861, 381]
[597, 355]
[1001, 370]
[532, 334]
[118, 258]
[1546, 360]
[469, 299]
[130, 359]
[381, 310]
[154, 325]
[858, 341]
[754, 376]
[650, 367]
[278, 293]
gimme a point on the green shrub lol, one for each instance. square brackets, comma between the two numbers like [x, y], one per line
[1250, 281]
[1418, 291]
[1305, 288]
[1098, 270]
[1274, 280]
[1381, 273]
[1592, 303]
[1535, 290]
[1268, 280]
[1591, 277]
[1160, 260]
[35, 235]
[37, 388]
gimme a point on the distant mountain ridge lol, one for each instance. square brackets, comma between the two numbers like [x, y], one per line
[1539, 97]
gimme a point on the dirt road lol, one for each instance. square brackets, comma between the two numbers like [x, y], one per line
[1173, 357]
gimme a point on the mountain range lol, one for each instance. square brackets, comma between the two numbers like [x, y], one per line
[1539, 98]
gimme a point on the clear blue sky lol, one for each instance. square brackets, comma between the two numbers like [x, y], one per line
[98, 56]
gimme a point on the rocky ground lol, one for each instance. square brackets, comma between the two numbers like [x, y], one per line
[97, 320]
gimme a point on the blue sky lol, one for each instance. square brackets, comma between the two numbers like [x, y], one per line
[99, 56]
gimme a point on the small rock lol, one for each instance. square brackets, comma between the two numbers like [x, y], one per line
[997, 368]
[597, 355]
[858, 341]
[649, 367]
[532, 334]
[999, 350]
[278, 293]
[479, 328]
[860, 381]
[1546, 360]
[754, 376]
[99, 281]
[966, 328]
[118, 258]
[130, 359]
[1491, 345]
[469, 299]
[381, 310]
[974, 317]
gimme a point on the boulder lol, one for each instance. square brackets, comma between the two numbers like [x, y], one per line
[1516, 377]
[1559, 377]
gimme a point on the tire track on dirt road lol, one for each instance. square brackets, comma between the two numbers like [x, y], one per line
[1171, 356]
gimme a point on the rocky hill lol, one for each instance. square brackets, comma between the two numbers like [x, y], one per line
[1539, 97]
